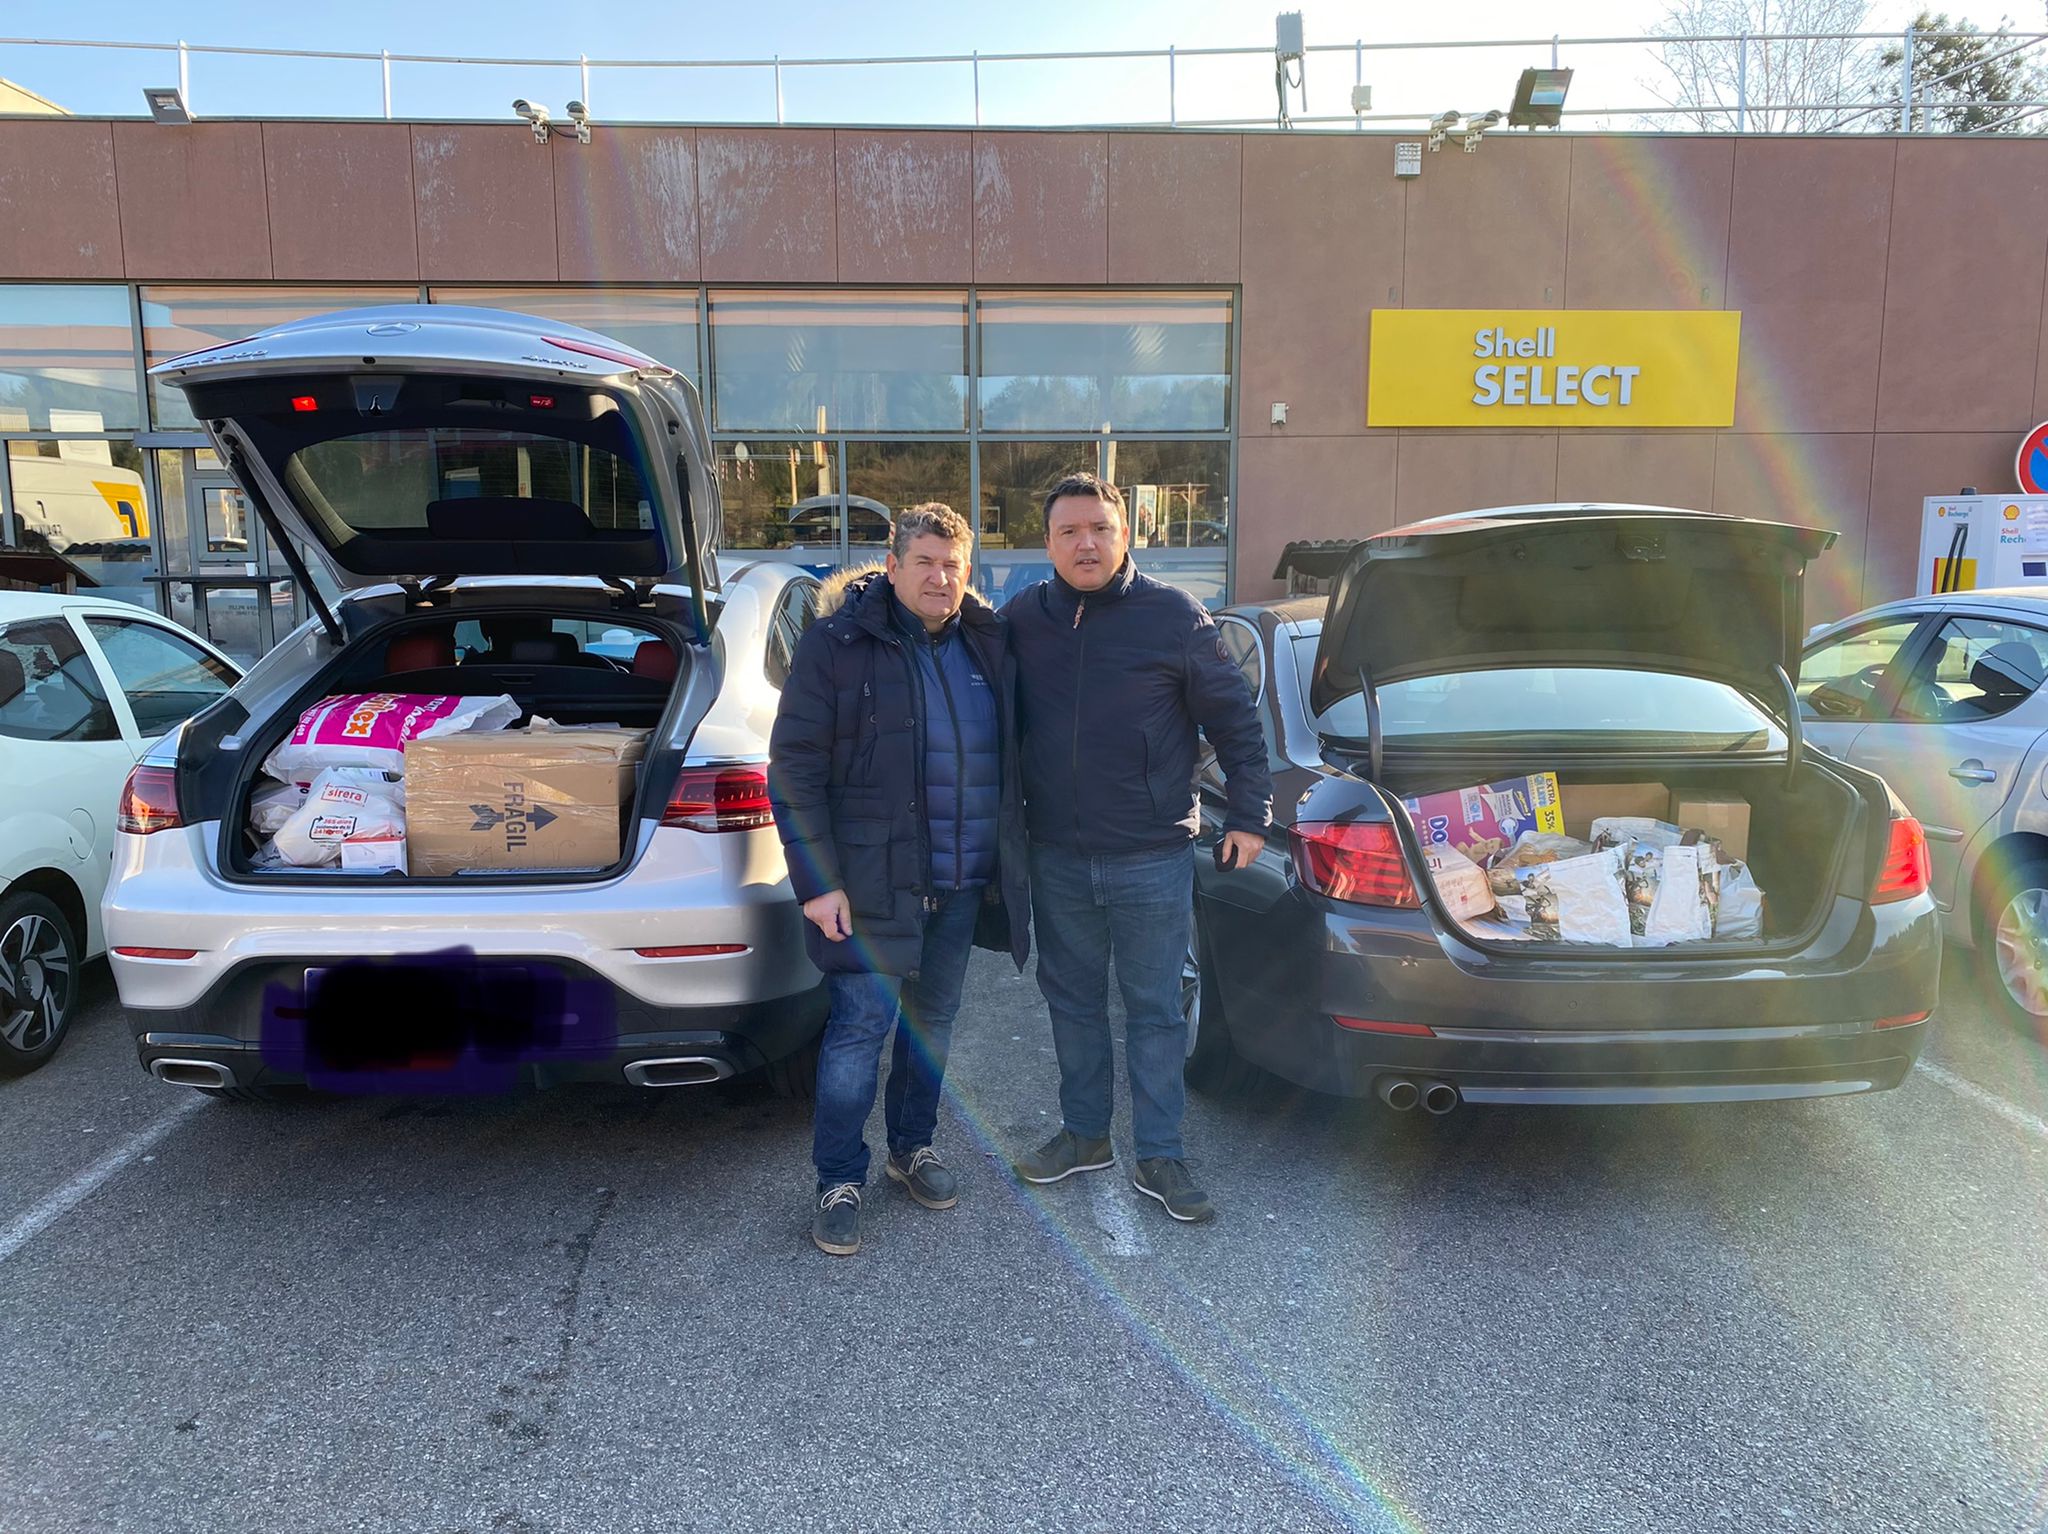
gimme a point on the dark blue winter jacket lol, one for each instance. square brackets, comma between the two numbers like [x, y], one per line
[963, 755]
[1111, 687]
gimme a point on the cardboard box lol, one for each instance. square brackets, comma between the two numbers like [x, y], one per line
[519, 799]
[1484, 821]
[1585, 803]
[1725, 817]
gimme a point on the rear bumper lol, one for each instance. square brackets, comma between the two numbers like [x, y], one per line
[1563, 1030]
[460, 1023]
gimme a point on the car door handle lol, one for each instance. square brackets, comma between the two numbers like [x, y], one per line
[1972, 771]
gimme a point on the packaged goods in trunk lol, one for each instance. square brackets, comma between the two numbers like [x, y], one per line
[344, 804]
[1486, 820]
[1725, 817]
[1586, 802]
[374, 855]
[372, 729]
[541, 798]
[1460, 883]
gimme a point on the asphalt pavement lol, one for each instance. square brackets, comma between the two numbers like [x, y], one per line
[597, 1310]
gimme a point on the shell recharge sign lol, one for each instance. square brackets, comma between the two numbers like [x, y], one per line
[1552, 368]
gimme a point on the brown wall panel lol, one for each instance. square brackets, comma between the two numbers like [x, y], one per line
[1962, 326]
[1649, 222]
[1909, 467]
[1443, 472]
[63, 172]
[1816, 480]
[626, 206]
[1311, 487]
[1041, 207]
[486, 205]
[1487, 229]
[1174, 201]
[341, 202]
[906, 206]
[767, 201]
[1324, 250]
[1649, 468]
[192, 201]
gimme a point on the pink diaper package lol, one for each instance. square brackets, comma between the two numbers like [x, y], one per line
[371, 729]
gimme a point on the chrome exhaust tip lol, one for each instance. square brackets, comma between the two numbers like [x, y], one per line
[677, 1071]
[1439, 1097]
[192, 1073]
[1398, 1093]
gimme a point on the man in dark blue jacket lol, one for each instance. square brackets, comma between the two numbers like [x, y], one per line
[892, 771]
[1116, 674]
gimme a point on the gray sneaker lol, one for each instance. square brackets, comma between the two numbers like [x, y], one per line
[836, 1226]
[925, 1178]
[1171, 1183]
[1062, 1156]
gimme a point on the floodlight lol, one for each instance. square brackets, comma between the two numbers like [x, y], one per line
[167, 104]
[1539, 98]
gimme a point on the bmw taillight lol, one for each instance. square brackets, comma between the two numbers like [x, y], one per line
[1905, 871]
[150, 801]
[1359, 861]
[720, 799]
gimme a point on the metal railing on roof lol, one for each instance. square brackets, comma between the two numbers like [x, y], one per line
[1858, 100]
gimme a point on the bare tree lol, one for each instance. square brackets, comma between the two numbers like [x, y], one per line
[1760, 62]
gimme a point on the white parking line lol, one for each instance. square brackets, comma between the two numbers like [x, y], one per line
[1114, 1218]
[81, 1187]
[2010, 1112]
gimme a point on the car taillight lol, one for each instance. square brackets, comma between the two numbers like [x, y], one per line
[150, 801]
[1905, 871]
[720, 799]
[1359, 861]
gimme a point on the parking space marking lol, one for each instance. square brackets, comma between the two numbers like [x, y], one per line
[1114, 1218]
[2012, 1113]
[82, 1187]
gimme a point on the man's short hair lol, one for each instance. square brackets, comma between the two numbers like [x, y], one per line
[1086, 485]
[933, 518]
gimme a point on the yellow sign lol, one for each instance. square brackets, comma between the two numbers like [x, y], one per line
[125, 501]
[1552, 367]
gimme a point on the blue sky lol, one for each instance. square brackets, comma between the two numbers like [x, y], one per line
[101, 82]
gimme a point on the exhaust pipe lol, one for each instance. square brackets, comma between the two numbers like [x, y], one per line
[1398, 1093]
[192, 1073]
[677, 1071]
[1439, 1097]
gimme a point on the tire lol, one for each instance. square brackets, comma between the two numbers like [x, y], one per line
[795, 1077]
[39, 981]
[1214, 1067]
[2015, 944]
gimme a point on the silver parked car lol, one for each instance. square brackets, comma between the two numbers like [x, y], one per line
[498, 506]
[1941, 696]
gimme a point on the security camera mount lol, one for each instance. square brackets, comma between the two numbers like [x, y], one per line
[1440, 125]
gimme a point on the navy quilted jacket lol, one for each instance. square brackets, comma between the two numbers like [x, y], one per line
[963, 756]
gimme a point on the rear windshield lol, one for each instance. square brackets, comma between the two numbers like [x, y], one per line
[1677, 712]
[428, 478]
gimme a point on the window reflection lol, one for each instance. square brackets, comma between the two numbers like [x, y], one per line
[661, 322]
[83, 503]
[67, 358]
[780, 494]
[1105, 362]
[883, 478]
[839, 361]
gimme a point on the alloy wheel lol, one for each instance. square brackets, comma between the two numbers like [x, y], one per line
[2022, 948]
[1191, 994]
[36, 978]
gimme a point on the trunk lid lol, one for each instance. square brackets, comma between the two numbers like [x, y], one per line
[1634, 587]
[426, 442]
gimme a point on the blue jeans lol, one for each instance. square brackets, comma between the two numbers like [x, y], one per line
[864, 1008]
[1138, 907]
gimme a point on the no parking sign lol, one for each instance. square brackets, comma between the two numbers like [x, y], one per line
[2032, 464]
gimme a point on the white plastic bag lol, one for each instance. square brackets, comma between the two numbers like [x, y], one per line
[1620, 830]
[344, 804]
[272, 805]
[371, 729]
[1741, 911]
[1579, 900]
[1683, 911]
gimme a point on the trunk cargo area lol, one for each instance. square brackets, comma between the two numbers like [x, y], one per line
[1802, 840]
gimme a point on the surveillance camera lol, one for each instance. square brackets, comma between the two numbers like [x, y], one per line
[536, 115]
[578, 111]
[1491, 119]
[1442, 122]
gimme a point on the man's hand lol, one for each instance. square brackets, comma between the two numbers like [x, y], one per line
[832, 916]
[1240, 848]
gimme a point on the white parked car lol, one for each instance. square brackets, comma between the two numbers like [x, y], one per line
[86, 686]
[1942, 697]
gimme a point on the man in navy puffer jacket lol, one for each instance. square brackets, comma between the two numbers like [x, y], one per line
[893, 774]
[1116, 674]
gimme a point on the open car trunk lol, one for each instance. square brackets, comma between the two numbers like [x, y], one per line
[1803, 837]
[503, 785]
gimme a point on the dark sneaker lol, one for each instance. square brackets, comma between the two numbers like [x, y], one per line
[926, 1178]
[1171, 1183]
[1062, 1156]
[836, 1228]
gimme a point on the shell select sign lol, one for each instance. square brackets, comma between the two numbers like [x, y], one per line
[1552, 367]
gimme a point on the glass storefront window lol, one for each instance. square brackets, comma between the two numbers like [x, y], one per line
[83, 502]
[1177, 493]
[661, 322]
[780, 494]
[176, 320]
[67, 359]
[1103, 362]
[1014, 479]
[839, 361]
[883, 478]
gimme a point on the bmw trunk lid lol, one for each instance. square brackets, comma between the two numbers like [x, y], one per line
[423, 442]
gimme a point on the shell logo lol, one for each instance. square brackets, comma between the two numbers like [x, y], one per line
[2012, 513]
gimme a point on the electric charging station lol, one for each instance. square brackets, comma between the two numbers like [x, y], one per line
[1978, 542]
